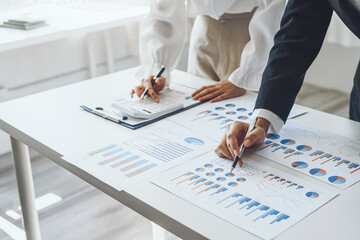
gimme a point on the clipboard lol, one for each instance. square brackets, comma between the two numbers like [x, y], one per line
[103, 108]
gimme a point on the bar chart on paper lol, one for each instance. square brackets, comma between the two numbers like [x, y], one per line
[328, 157]
[257, 198]
[124, 162]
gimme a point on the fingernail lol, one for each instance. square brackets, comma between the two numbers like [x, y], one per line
[247, 142]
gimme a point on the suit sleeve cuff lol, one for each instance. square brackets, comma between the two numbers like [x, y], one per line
[276, 122]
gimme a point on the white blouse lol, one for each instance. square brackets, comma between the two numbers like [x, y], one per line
[164, 31]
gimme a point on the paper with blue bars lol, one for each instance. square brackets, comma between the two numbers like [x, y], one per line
[124, 162]
[260, 199]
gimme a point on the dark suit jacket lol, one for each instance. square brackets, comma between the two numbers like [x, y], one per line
[296, 45]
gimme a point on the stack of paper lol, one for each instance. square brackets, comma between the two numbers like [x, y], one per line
[24, 23]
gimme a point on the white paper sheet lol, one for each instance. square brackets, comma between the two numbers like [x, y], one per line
[122, 163]
[211, 119]
[257, 198]
[329, 157]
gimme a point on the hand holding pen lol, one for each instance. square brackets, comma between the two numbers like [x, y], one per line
[238, 134]
[151, 86]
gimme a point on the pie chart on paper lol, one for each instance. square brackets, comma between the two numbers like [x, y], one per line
[221, 179]
[272, 136]
[287, 142]
[210, 174]
[232, 184]
[241, 179]
[230, 105]
[317, 172]
[231, 113]
[194, 141]
[337, 180]
[299, 165]
[304, 148]
[243, 117]
[230, 175]
[312, 194]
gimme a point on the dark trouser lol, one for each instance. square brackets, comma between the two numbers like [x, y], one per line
[354, 111]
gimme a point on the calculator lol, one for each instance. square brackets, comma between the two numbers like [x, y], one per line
[148, 108]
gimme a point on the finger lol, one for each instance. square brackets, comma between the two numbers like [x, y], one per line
[256, 137]
[197, 91]
[222, 150]
[210, 96]
[225, 152]
[159, 84]
[232, 140]
[139, 90]
[219, 98]
[233, 145]
[235, 133]
[241, 162]
[153, 94]
[147, 82]
[132, 93]
[219, 152]
[204, 92]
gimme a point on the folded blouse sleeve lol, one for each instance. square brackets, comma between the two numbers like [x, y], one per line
[262, 28]
[162, 37]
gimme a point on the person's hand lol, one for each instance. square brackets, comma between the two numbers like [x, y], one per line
[153, 89]
[235, 136]
[219, 91]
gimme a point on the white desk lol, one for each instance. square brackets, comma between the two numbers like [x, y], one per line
[52, 123]
[69, 20]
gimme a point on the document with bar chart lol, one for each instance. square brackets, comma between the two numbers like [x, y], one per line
[331, 158]
[257, 198]
[121, 163]
[217, 116]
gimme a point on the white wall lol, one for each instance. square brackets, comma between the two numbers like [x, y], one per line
[334, 68]
[40, 67]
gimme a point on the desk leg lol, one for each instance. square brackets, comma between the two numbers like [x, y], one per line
[91, 56]
[158, 232]
[109, 50]
[25, 185]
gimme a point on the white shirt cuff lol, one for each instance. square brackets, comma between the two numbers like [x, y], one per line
[276, 122]
[243, 78]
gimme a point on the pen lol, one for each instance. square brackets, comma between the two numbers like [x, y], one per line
[242, 147]
[161, 70]
[100, 114]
